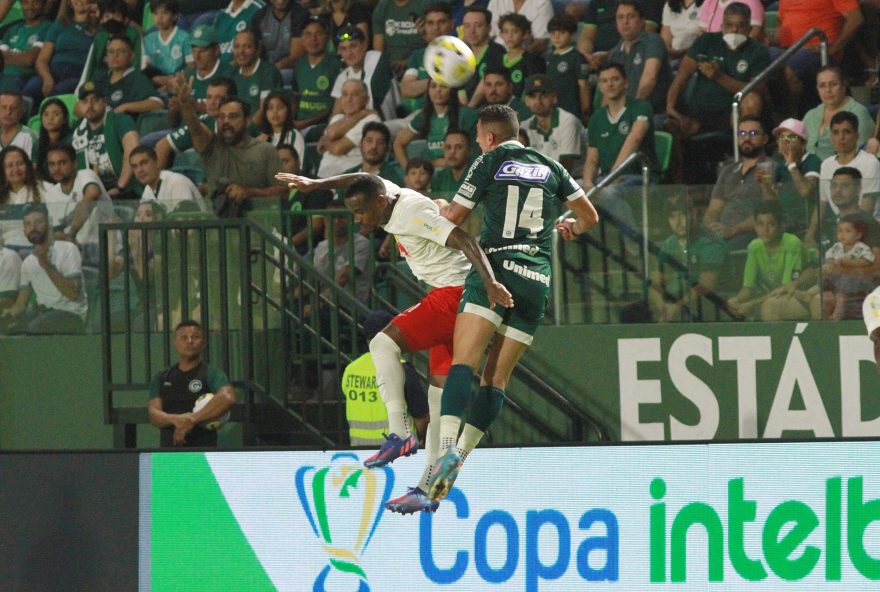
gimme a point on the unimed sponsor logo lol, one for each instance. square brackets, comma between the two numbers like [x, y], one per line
[788, 551]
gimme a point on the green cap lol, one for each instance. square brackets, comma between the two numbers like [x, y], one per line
[203, 36]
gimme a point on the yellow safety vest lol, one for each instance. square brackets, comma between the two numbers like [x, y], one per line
[364, 408]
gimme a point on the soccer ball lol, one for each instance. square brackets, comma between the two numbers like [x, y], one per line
[214, 424]
[449, 61]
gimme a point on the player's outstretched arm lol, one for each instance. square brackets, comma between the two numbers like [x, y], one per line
[498, 294]
[305, 184]
[587, 217]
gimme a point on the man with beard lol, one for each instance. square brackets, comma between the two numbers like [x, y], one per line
[736, 193]
[496, 88]
[374, 154]
[103, 140]
[339, 146]
[245, 165]
[77, 201]
[552, 131]
[52, 273]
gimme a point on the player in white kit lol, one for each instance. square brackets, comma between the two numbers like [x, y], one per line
[439, 254]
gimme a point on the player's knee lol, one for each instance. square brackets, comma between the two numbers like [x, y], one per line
[383, 345]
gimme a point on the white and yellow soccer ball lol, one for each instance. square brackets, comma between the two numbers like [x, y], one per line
[214, 424]
[449, 61]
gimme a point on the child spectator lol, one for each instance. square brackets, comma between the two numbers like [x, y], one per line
[515, 30]
[278, 125]
[843, 259]
[167, 49]
[419, 172]
[774, 260]
[568, 68]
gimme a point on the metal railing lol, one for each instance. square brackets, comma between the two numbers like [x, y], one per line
[556, 260]
[775, 65]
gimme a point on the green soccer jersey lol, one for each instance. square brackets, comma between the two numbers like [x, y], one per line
[253, 88]
[439, 126]
[490, 54]
[100, 149]
[708, 96]
[417, 63]
[20, 38]
[313, 84]
[181, 138]
[228, 23]
[200, 84]
[96, 64]
[706, 252]
[796, 209]
[521, 190]
[609, 135]
[566, 69]
[444, 185]
[133, 86]
[519, 68]
[397, 25]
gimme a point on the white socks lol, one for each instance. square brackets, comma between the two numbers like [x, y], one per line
[449, 426]
[432, 438]
[470, 437]
[390, 379]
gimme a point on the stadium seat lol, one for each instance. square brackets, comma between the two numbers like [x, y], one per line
[153, 121]
[663, 147]
[417, 149]
[190, 163]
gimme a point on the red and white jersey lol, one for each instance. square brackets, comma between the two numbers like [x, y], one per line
[421, 234]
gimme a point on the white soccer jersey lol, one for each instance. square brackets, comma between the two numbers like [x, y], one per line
[421, 234]
[66, 260]
[10, 273]
[61, 205]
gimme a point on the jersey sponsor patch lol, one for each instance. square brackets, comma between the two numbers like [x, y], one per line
[466, 190]
[525, 172]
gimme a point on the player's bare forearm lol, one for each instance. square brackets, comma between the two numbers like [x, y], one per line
[498, 294]
[305, 184]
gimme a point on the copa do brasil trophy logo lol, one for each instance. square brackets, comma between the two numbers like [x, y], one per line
[343, 503]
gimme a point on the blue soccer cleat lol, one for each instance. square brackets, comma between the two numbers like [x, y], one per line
[445, 472]
[414, 500]
[393, 448]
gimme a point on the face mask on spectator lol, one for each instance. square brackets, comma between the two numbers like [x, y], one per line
[734, 40]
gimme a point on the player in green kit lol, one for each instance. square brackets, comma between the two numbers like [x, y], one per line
[520, 190]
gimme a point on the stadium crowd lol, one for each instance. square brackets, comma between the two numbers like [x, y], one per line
[193, 106]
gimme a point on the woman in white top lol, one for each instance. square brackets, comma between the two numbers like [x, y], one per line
[681, 25]
[18, 186]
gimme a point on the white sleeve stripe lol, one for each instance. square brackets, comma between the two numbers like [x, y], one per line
[573, 196]
[812, 174]
[459, 199]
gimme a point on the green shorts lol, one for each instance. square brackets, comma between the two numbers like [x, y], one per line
[528, 280]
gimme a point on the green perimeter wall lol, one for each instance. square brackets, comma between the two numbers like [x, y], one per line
[672, 382]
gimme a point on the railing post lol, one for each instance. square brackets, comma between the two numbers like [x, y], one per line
[556, 271]
[646, 180]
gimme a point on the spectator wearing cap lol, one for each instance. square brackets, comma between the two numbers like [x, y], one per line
[77, 201]
[236, 17]
[339, 145]
[371, 67]
[715, 68]
[103, 140]
[238, 165]
[396, 30]
[68, 41]
[52, 274]
[476, 27]
[279, 25]
[128, 89]
[207, 65]
[167, 187]
[551, 130]
[314, 74]
[254, 77]
[364, 408]
[414, 84]
[12, 131]
[795, 181]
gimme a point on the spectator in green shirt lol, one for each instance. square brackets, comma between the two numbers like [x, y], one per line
[457, 154]
[395, 30]
[21, 43]
[128, 89]
[65, 51]
[414, 85]
[254, 76]
[313, 77]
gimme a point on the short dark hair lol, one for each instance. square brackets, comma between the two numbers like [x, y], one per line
[562, 22]
[317, 20]
[499, 71]
[849, 172]
[613, 66]
[845, 117]
[170, 5]
[443, 7]
[636, 5]
[123, 39]
[753, 120]
[369, 186]
[227, 82]
[376, 126]
[148, 150]
[772, 207]
[188, 323]
[62, 147]
[482, 10]
[740, 9]
[292, 150]
[517, 20]
[35, 207]
[504, 117]
[255, 33]
[420, 163]
[461, 133]
[236, 99]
